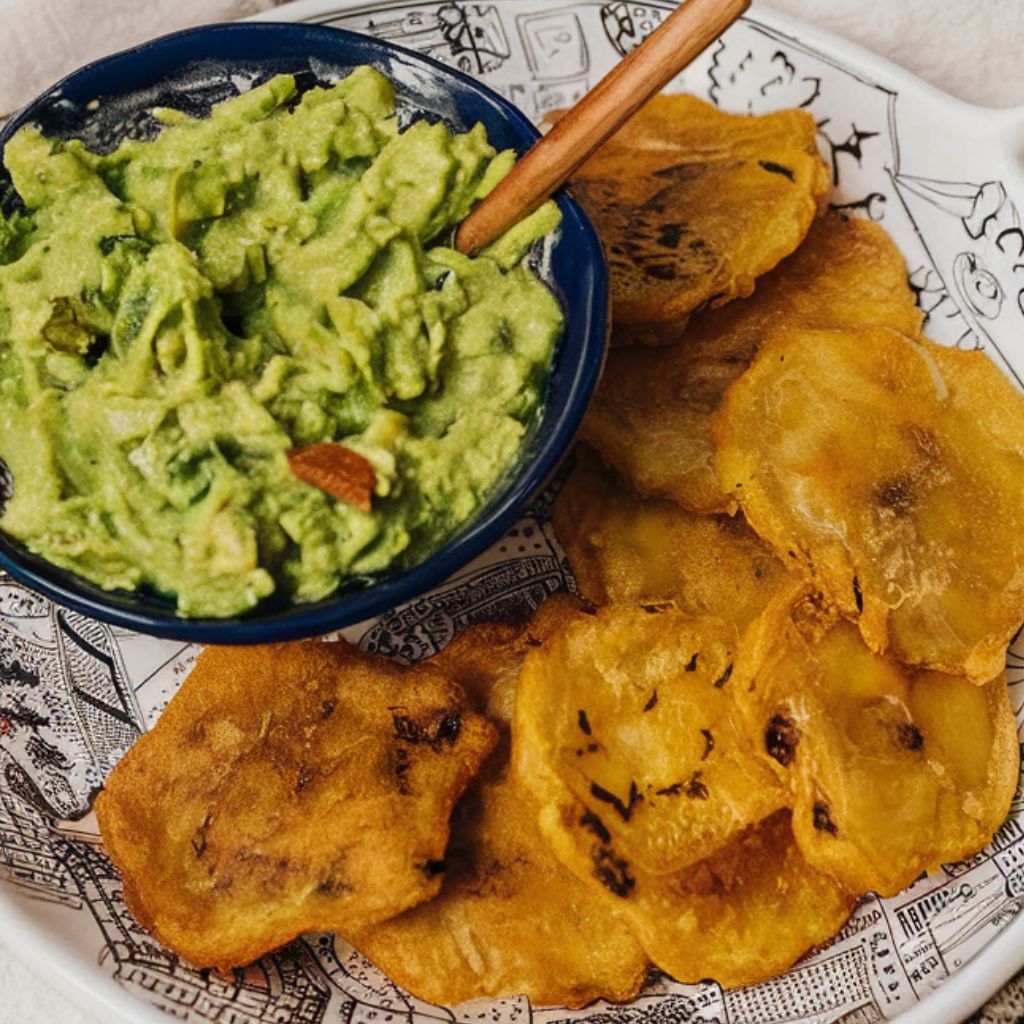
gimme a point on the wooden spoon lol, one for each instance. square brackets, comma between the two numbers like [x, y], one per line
[680, 38]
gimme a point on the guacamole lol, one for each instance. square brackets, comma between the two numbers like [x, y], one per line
[180, 316]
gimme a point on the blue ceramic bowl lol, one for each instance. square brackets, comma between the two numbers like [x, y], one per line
[191, 71]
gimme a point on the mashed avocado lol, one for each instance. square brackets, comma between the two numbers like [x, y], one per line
[178, 315]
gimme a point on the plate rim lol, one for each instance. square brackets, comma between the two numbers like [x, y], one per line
[964, 991]
[822, 39]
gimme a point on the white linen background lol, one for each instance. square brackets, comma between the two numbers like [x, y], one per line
[973, 49]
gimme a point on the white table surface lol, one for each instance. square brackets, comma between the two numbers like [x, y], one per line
[973, 49]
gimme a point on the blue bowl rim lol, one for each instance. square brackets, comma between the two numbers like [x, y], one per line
[501, 512]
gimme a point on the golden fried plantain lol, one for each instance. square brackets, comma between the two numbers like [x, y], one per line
[289, 788]
[894, 771]
[693, 204]
[627, 550]
[632, 711]
[651, 417]
[509, 918]
[485, 659]
[740, 916]
[891, 473]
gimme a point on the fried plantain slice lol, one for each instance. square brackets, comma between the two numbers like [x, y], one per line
[485, 659]
[651, 417]
[693, 204]
[289, 788]
[893, 770]
[509, 918]
[632, 711]
[891, 473]
[740, 916]
[624, 549]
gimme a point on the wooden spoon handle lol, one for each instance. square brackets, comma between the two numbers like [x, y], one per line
[684, 34]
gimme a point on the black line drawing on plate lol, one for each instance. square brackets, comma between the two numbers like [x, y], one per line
[833, 981]
[27, 858]
[475, 36]
[554, 44]
[993, 900]
[278, 988]
[942, 926]
[1009, 858]
[508, 589]
[744, 80]
[671, 1008]
[372, 992]
[852, 146]
[514, 92]
[977, 247]
[931, 294]
[767, 72]
[627, 25]
[549, 96]
[872, 206]
[418, 28]
[1015, 659]
[971, 234]
[869, 1014]
[67, 710]
[472, 35]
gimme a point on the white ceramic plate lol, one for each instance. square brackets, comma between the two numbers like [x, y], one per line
[943, 178]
